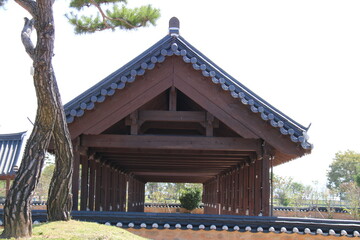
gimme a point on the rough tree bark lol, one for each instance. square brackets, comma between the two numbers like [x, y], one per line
[49, 123]
[59, 203]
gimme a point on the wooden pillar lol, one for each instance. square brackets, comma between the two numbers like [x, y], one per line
[92, 176]
[114, 187]
[246, 189]
[267, 157]
[236, 191]
[258, 187]
[130, 200]
[104, 187]
[84, 194]
[241, 190]
[252, 189]
[75, 176]
[98, 178]
[123, 191]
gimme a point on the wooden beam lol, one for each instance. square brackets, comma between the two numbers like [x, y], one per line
[171, 142]
[175, 174]
[182, 152]
[172, 116]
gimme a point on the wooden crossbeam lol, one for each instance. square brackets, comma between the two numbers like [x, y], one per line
[172, 116]
[171, 142]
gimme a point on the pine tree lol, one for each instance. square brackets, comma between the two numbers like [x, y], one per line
[50, 123]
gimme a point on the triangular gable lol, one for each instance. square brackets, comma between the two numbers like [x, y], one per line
[175, 45]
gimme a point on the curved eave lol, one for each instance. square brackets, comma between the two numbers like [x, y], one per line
[176, 45]
[10, 151]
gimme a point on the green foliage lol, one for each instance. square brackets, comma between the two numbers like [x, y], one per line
[190, 198]
[157, 192]
[352, 195]
[288, 192]
[42, 189]
[114, 17]
[343, 169]
[357, 180]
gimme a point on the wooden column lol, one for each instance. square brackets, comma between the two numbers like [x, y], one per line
[236, 192]
[104, 187]
[252, 189]
[92, 176]
[98, 177]
[130, 201]
[268, 154]
[84, 194]
[246, 189]
[241, 190]
[258, 187]
[75, 179]
[123, 191]
[114, 191]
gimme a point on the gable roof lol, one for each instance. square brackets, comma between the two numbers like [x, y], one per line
[174, 44]
[10, 149]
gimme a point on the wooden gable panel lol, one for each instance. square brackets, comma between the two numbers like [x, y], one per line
[124, 102]
[229, 110]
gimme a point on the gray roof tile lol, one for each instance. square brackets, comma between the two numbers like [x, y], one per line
[10, 149]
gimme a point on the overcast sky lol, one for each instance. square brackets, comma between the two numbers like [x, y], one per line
[303, 57]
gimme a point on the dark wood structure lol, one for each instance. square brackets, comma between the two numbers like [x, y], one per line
[172, 115]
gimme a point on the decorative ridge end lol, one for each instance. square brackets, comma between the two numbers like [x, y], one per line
[174, 26]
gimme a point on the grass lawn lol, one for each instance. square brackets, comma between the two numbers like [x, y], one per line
[76, 230]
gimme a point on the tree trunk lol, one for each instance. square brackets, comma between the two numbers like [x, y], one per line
[60, 197]
[17, 211]
[49, 117]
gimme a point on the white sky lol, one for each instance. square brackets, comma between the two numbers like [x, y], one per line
[302, 56]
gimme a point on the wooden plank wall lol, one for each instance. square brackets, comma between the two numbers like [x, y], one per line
[102, 187]
[136, 195]
[241, 191]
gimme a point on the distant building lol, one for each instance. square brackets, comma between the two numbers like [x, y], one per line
[10, 156]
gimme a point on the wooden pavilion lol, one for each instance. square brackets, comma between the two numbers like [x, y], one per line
[172, 115]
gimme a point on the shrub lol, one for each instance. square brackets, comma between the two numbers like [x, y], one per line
[190, 198]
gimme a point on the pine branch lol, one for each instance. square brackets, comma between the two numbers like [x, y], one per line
[28, 5]
[105, 18]
[123, 18]
[25, 37]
